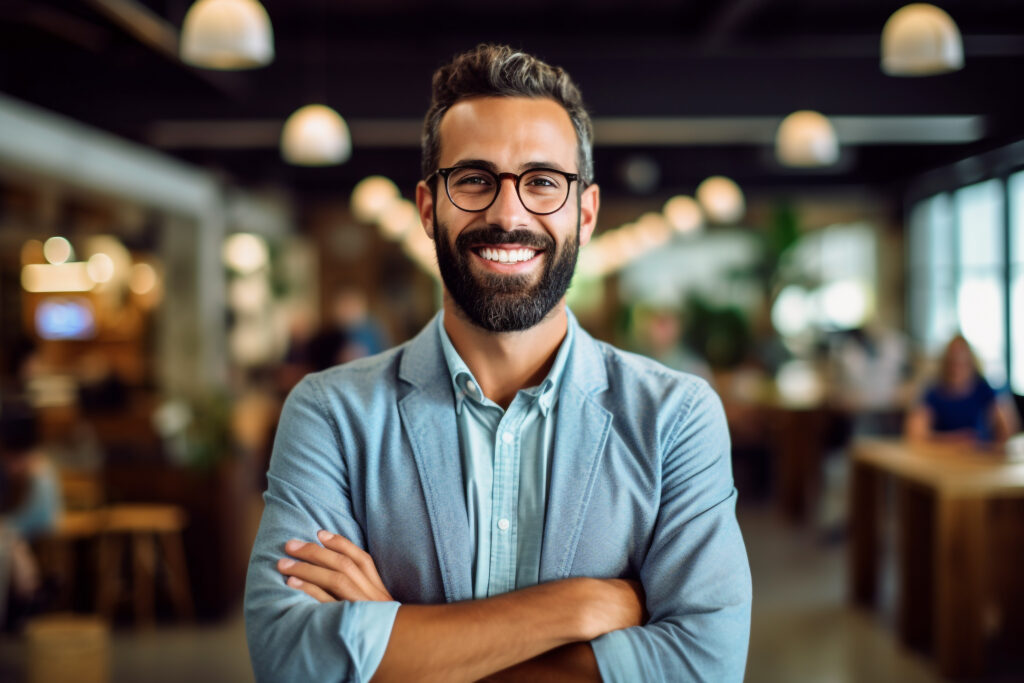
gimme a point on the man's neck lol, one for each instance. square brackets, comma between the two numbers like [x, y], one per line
[505, 362]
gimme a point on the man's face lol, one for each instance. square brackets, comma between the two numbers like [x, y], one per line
[506, 268]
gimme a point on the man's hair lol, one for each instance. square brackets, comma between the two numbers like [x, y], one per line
[499, 71]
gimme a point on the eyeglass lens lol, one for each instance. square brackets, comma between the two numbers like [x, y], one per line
[540, 190]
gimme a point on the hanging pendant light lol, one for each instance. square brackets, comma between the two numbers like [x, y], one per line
[921, 40]
[315, 135]
[227, 35]
[721, 199]
[683, 214]
[806, 138]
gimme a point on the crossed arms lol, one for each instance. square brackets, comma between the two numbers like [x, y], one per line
[342, 625]
[473, 639]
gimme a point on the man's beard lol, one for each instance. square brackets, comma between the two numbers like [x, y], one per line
[504, 303]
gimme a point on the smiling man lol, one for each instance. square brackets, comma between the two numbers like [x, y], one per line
[502, 497]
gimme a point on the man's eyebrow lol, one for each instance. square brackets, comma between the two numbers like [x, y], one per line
[476, 163]
[492, 167]
[541, 164]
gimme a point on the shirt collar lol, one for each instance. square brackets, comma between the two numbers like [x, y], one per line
[464, 384]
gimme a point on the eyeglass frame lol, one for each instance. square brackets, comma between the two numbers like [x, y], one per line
[499, 177]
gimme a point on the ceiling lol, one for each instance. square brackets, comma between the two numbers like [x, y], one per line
[695, 87]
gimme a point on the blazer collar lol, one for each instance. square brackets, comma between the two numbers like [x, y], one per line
[423, 362]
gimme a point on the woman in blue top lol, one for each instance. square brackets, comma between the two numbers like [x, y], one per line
[962, 406]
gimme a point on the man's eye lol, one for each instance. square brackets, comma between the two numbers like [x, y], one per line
[473, 179]
[542, 182]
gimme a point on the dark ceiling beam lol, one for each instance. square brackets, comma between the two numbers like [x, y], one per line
[161, 37]
[730, 16]
[608, 132]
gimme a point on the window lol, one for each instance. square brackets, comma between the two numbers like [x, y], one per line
[1016, 252]
[932, 300]
[966, 274]
[981, 293]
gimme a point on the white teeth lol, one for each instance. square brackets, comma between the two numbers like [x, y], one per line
[507, 255]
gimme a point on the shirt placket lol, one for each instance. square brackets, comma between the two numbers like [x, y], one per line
[505, 502]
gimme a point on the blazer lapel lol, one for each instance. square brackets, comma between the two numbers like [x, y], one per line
[580, 437]
[428, 417]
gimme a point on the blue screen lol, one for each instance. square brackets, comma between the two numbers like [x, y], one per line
[65, 318]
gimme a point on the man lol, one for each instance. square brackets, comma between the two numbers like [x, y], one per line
[502, 496]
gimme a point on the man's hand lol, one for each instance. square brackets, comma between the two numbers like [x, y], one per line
[340, 570]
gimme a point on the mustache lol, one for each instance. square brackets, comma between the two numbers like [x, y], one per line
[492, 234]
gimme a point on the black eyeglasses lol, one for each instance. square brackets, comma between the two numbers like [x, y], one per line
[541, 190]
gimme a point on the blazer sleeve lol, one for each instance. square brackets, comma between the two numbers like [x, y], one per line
[291, 636]
[696, 576]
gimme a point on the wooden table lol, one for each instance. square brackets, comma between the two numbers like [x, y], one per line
[948, 569]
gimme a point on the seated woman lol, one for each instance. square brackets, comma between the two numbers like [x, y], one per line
[30, 503]
[961, 406]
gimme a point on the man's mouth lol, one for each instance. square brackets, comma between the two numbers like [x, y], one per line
[496, 255]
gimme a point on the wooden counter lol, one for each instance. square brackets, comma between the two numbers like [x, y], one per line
[947, 593]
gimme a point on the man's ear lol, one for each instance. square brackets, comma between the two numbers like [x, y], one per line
[590, 202]
[425, 205]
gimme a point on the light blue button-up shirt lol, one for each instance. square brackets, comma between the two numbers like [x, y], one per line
[506, 463]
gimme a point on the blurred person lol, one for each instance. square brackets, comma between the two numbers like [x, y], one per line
[961, 407]
[350, 315]
[348, 334]
[870, 368]
[30, 504]
[503, 496]
[660, 334]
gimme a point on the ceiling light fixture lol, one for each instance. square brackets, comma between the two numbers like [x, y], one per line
[805, 139]
[227, 35]
[921, 40]
[683, 214]
[721, 199]
[315, 135]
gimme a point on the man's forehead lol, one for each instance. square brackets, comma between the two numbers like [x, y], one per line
[530, 129]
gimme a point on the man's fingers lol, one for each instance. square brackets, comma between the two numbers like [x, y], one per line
[310, 589]
[336, 561]
[340, 544]
[333, 582]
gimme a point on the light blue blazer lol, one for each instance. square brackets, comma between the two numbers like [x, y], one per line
[641, 487]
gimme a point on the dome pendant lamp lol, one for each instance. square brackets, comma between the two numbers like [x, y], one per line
[921, 40]
[806, 139]
[721, 199]
[315, 135]
[227, 35]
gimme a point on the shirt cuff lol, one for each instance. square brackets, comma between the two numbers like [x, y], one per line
[616, 659]
[366, 629]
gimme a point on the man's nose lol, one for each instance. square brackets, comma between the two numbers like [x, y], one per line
[507, 211]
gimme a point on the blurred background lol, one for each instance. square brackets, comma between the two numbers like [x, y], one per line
[803, 201]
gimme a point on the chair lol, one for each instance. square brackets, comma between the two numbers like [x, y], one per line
[144, 527]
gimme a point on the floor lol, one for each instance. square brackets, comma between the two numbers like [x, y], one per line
[802, 629]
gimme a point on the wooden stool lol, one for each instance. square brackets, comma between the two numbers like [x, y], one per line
[145, 526]
[58, 556]
[67, 647]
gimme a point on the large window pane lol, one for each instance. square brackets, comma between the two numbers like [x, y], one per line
[979, 212]
[981, 294]
[1017, 330]
[1016, 251]
[980, 303]
[932, 295]
[1016, 190]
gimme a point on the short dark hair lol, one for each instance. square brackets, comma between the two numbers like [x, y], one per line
[500, 71]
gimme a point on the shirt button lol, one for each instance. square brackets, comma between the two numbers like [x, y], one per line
[507, 438]
[470, 387]
[503, 524]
